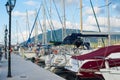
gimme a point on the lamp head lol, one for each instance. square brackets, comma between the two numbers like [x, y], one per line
[10, 5]
[6, 31]
[12, 2]
[7, 6]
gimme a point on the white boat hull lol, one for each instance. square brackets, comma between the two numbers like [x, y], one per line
[110, 74]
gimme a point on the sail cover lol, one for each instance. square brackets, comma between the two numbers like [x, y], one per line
[101, 52]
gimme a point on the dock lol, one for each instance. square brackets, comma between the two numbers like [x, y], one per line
[22, 69]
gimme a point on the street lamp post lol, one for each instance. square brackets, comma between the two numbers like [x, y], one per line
[6, 32]
[9, 6]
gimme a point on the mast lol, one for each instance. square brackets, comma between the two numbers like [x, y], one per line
[81, 22]
[44, 40]
[36, 32]
[108, 22]
[50, 19]
[64, 21]
[27, 25]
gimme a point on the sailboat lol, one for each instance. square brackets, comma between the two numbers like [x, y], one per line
[86, 67]
[88, 64]
[29, 51]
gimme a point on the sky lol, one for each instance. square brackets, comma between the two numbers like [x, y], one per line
[24, 14]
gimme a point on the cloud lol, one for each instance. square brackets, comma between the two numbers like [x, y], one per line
[71, 25]
[56, 24]
[72, 2]
[89, 10]
[23, 35]
[118, 8]
[114, 22]
[68, 2]
[101, 20]
[116, 5]
[23, 14]
[17, 13]
[30, 3]
[22, 17]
